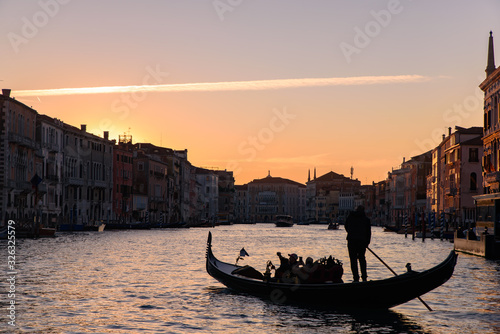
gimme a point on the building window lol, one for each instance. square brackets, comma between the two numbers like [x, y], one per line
[473, 155]
[473, 181]
[140, 166]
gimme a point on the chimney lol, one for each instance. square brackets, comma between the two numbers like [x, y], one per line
[84, 127]
[6, 92]
[403, 159]
[444, 136]
[106, 135]
[449, 131]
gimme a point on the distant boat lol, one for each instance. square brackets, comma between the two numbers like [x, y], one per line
[203, 223]
[284, 221]
[71, 227]
[43, 232]
[95, 227]
[138, 225]
[388, 228]
[333, 226]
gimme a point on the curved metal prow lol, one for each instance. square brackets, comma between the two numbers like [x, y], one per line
[209, 243]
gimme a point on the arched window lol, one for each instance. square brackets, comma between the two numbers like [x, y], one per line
[473, 181]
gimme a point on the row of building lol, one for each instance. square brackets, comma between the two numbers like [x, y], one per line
[66, 175]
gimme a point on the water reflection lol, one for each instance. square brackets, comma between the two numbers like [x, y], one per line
[155, 282]
[307, 318]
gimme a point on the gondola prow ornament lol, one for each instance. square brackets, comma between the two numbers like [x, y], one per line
[243, 253]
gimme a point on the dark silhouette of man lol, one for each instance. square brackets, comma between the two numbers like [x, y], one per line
[359, 233]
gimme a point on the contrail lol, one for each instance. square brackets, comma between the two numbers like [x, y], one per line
[230, 85]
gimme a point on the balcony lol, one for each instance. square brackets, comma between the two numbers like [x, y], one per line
[52, 147]
[73, 181]
[21, 140]
[98, 183]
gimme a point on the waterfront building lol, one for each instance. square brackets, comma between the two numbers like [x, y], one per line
[488, 205]
[150, 188]
[407, 189]
[271, 196]
[380, 211]
[226, 196]
[184, 184]
[50, 135]
[208, 194]
[18, 168]
[182, 181]
[241, 204]
[87, 176]
[123, 153]
[456, 175]
[366, 198]
[486, 239]
[331, 196]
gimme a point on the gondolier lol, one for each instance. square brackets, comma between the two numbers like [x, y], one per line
[359, 233]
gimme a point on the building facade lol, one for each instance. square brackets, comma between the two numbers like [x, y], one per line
[488, 205]
[209, 194]
[331, 197]
[407, 189]
[20, 188]
[50, 134]
[123, 179]
[150, 188]
[273, 196]
[241, 204]
[456, 175]
[227, 196]
[88, 176]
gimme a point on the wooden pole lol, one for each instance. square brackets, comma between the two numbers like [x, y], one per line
[385, 264]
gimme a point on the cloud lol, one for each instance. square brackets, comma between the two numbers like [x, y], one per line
[229, 85]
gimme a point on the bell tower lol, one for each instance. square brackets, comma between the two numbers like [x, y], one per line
[490, 68]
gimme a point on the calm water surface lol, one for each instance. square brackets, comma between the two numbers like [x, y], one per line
[154, 281]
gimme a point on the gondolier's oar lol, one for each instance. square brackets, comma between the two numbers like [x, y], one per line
[385, 264]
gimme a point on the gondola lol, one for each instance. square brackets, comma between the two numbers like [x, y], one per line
[379, 294]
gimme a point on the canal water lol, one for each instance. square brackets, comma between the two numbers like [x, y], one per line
[154, 281]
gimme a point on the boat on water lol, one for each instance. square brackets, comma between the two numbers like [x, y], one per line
[137, 225]
[43, 232]
[378, 294]
[333, 226]
[284, 221]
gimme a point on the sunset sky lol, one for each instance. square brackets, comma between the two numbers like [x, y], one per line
[256, 85]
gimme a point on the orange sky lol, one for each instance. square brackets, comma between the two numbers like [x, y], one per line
[285, 92]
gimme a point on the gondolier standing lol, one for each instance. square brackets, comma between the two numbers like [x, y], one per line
[359, 233]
